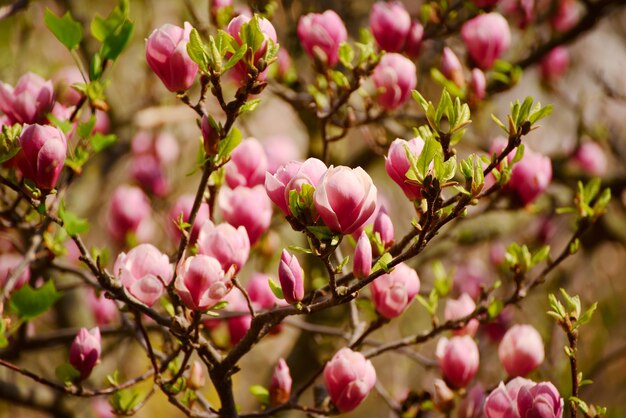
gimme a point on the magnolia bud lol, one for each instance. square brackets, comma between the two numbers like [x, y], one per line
[459, 308]
[521, 350]
[291, 278]
[349, 378]
[486, 37]
[247, 207]
[390, 24]
[240, 70]
[210, 136]
[148, 172]
[129, 213]
[443, 397]
[104, 310]
[477, 86]
[201, 282]
[85, 351]
[397, 164]
[384, 227]
[321, 35]
[458, 358]
[42, 156]
[143, 271]
[414, 39]
[292, 176]
[229, 245]
[554, 65]
[394, 291]
[567, 15]
[472, 405]
[345, 198]
[394, 78]
[166, 53]
[362, 257]
[524, 398]
[280, 388]
[451, 67]
[247, 165]
[590, 157]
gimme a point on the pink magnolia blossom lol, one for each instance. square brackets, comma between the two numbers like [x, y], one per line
[567, 15]
[247, 207]
[349, 378]
[522, 398]
[261, 294]
[486, 37]
[459, 359]
[384, 228]
[521, 350]
[291, 278]
[9, 262]
[390, 24]
[129, 213]
[477, 85]
[291, 177]
[201, 282]
[414, 39]
[183, 207]
[397, 164]
[280, 387]
[161, 145]
[362, 265]
[472, 404]
[104, 310]
[555, 64]
[321, 34]
[148, 172]
[85, 351]
[143, 271]
[42, 156]
[591, 158]
[29, 101]
[280, 150]
[240, 70]
[345, 198]
[394, 78]
[393, 292]
[247, 165]
[166, 53]
[459, 308]
[451, 67]
[229, 245]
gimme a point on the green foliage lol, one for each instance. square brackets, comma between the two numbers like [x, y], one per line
[472, 170]
[228, 144]
[71, 222]
[520, 260]
[29, 303]
[443, 281]
[457, 115]
[523, 117]
[590, 202]
[383, 263]
[276, 289]
[100, 142]
[114, 32]
[66, 29]
[66, 373]
[570, 314]
[261, 394]
[122, 401]
[9, 141]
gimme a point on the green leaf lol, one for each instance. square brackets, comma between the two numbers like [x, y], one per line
[100, 141]
[66, 373]
[586, 317]
[251, 34]
[228, 144]
[116, 41]
[276, 289]
[301, 250]
[67, 30]
[249, 106]
[499, 123]
[431, 148]
[383, 263]
[29, 303]
[71, 222]
[443, 281]
[321, 232]
[346, 55]
[540, 255]
[261, 394]
[9, 141]
[494, 308]
[197, 50]
[124, 400]
[3, 339]
[237, 56]
[84, 129]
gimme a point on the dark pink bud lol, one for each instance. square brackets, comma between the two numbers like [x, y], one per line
[469, 277]
[486, 37]
[390, 24]
[42, 156]
[247, 165]
[567, 15]
[166, 53]
[530, 176]
[283, 64]
[85, 351]
[321, 34]
[103, 122]
[210, 136]
[291, 277]
[477, 85]
[485, 3]
[397, 164]
[247, 207]
[129, 213]
[384, 227]
[8, 263]
[104, 310]
[451, 67]
[280, 388]
[345, 198]
[459, 308]
[362, 257]
[143, 271]
[269, 33]
[349, 378]
[292, 176]
[414, 39]
[148, 172]
[590, 157]
[555, 64]
[394, 291]
[238, 325]
[29, 101]
[229, 245]
[459, 359]
[521, 350]
[394, 77]
[201, 282]
[183, 207]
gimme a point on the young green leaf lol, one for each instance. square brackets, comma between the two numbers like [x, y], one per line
[66, 29]
[29, 303]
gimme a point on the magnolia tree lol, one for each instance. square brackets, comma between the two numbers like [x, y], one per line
[264, 277]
